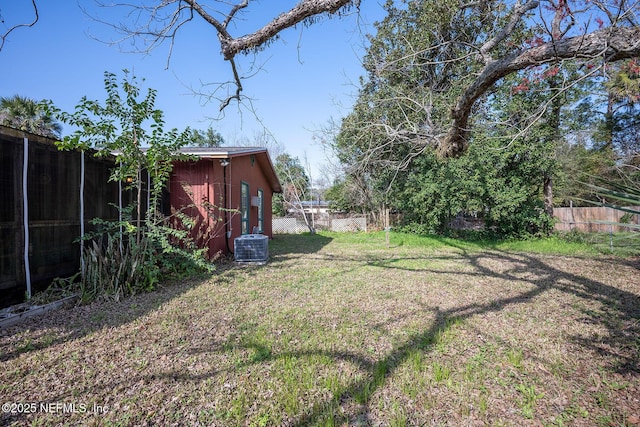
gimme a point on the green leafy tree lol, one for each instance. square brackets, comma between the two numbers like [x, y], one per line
[29, 115]
[295, 184]
[296, 188]
[617, 130]
[346, 196]
[129, 127]
[535, 93]
[624, 93]
[415, 78]
[602, 135]
[489, 182]
[406, 95]
[208, 138]
[387, 144]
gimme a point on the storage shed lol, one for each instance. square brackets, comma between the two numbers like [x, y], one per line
[227, 191]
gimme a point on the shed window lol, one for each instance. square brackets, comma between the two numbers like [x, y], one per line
[245, 202]
[260, 211]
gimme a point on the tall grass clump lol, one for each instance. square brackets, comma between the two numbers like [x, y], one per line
[121, 260]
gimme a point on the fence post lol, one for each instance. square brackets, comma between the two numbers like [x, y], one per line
[573, 219]
[25, 213]
[82, 210]
[611, 237]
[386, 224]
[120, 212]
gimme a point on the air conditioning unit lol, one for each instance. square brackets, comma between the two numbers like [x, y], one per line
[251, 248]
[255, 201]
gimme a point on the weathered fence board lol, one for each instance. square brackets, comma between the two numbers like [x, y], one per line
[53, 207]
[592, 219]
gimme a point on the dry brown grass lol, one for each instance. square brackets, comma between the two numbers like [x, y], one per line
[343, 331]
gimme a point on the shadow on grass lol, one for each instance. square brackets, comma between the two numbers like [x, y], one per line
[63, 325]
[622, 308]
[283, 245]
[621, 342]
[59, 326]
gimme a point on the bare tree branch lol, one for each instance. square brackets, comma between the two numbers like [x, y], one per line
[221, 27]
[610, 44]
[519, 11]
[233, 12]
[238, 83]
[164, 19]
[4, 36]
[301, 12]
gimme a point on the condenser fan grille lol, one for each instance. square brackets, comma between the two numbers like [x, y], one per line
[251, 248]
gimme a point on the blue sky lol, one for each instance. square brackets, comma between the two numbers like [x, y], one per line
[306, 78]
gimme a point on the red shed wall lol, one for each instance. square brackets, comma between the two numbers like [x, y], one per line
[199, 185]
[244, 169]
[197, 188]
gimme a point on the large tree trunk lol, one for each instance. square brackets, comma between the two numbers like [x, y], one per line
[610, 44]
[548, 195]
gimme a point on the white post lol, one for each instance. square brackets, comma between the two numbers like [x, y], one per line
[611, 237]
[82, 211]
[148, 192]
[25, 214]
[120, 210]
[387, 227]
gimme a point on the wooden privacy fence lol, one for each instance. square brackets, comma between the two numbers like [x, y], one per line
[47, 198]
[593, 219]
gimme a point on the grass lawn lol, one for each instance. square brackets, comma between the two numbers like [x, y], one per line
[343, 330]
